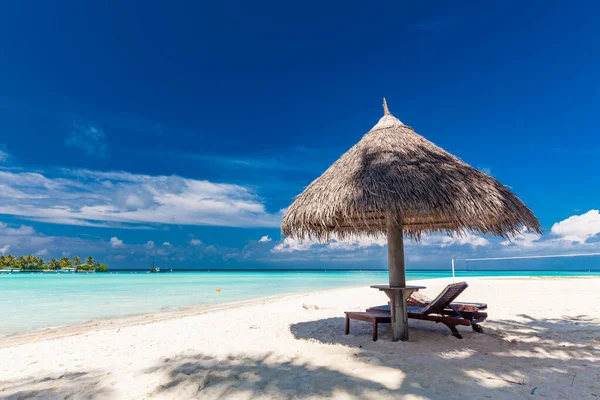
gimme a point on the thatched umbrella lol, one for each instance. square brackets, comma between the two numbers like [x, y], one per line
[396, 182]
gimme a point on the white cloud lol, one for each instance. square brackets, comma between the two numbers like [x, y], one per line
[39, 243]
[116, 242]
[42, 252]
[23, 230]
[5, 249]
[116, 199]
[466, 239]
[358, 242]
[195, 242]
[289, 245]
[12, 193]
[524, 239]
[167, 244]
[578, 228]
[89, 138]
[149, 244]
[265, 239]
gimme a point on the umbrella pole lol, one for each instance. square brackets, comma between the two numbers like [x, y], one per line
[397, 279]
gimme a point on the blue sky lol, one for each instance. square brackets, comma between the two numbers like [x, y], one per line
[195, 124]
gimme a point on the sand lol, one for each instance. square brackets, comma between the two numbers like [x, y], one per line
[542, 340]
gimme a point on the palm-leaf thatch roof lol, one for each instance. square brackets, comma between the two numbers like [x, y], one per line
[393, 172]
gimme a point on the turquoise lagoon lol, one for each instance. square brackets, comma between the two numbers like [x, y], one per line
[37, 301]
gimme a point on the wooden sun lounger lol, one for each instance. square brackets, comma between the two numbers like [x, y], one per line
[451, 309]
[455, 306]
[441, 309]
[479, 306]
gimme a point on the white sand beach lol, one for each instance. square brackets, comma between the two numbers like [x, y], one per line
[542, 340]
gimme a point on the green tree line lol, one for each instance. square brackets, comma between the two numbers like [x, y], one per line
[33, 262]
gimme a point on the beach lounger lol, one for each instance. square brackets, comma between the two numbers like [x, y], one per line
[439, 310]
[419, 300]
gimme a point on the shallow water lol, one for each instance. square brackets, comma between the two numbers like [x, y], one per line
[36, 301]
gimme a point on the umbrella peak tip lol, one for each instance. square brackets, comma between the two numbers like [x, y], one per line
[386, 110]
[388, 120]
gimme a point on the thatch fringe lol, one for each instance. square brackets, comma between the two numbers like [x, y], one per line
[393, 172]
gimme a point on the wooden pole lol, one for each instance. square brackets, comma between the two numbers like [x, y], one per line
[397, 279]
[386, 110]
[396, 254]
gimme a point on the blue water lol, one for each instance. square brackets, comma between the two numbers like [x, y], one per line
[36, 301]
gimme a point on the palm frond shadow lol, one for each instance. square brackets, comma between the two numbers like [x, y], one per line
[73, 385]
[205, 376]
[508, 362]
[530, 354]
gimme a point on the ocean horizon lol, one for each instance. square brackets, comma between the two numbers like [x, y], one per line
[37, 301]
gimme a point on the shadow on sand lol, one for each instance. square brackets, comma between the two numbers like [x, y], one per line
[78, 385]
[507, 362]
[265, 376]
[530, 357]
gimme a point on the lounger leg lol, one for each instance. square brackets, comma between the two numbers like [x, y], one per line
[347, 325]
[374, 331]
[454, 330]
[477, 328]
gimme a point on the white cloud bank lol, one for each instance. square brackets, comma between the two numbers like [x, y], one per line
[576, 234]
[20, 231]
[92, 198]
[289, 245]
[578, 228]
[572, 233]
[467, 239]
[265, 239]
[524, 239]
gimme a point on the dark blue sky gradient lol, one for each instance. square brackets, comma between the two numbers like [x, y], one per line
[268, 94]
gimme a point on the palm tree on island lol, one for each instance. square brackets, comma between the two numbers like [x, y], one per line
[64, 263]
[31, 262]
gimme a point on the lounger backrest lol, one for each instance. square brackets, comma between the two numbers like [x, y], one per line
[447, 296]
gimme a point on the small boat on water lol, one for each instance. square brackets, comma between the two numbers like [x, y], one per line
[154, 269]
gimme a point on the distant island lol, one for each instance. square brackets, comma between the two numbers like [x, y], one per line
[35, 263]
